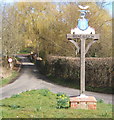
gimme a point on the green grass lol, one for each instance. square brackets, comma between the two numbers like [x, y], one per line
[5, 81]
[42, 104]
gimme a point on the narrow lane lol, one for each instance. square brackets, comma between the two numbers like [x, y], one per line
[30, 79]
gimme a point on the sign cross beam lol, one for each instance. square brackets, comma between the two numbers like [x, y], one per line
[84, 36]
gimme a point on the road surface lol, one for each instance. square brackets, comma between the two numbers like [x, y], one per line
[30, 79]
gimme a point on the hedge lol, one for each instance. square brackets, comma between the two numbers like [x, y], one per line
[98, 70]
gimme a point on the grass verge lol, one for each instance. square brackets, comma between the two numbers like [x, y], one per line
[5, 81]
[43, 104]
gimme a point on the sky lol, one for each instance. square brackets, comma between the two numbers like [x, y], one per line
[109, 8]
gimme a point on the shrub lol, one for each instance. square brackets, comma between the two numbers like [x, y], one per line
[62, 101]
[98, 70]
[38, 108]
[15, 96]
[100, 101]
[11, 106]
[15, 106]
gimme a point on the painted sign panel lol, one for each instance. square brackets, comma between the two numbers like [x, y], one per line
[83, 24]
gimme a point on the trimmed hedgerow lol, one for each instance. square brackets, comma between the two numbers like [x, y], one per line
[98, 70]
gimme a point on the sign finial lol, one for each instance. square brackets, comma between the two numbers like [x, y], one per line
[83, 7]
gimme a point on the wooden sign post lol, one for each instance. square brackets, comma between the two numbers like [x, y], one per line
[82, 37]
[83, 32]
